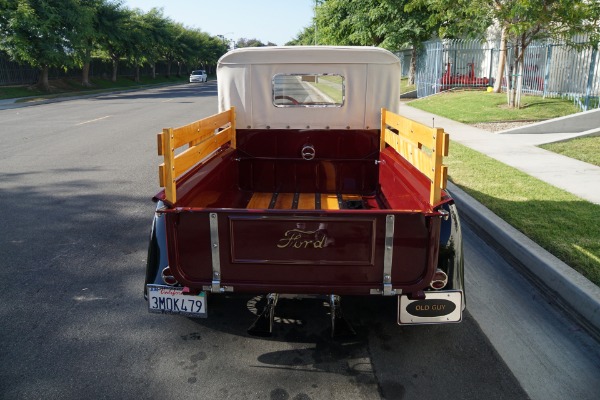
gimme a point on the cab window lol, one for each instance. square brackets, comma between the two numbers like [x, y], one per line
[308, 90]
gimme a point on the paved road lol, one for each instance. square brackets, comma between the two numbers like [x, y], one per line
[76, 180]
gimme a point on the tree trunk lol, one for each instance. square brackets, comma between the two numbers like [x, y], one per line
[85, 74]
[153, 70]
[501, 62]
[412, 71]
[137, 74]
[169, 69]
[519, 85]
[514, 72]
[521, 68]
[115, 65]
[43, 83]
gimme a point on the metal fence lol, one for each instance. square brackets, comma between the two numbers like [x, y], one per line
[12, 73]
[550, 69]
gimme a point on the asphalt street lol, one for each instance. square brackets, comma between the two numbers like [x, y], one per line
[76, 182]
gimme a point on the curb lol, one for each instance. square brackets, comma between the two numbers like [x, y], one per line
[568, 288]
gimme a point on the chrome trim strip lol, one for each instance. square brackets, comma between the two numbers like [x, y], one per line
[388, 256]
[216, 258]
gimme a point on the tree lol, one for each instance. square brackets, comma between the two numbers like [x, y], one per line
[384, 23]
[141, 42]
[114, 35]
[305, 37]
[39, 33]
[157, 28]
[243, 42]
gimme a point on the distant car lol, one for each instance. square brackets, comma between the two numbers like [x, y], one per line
[198, 76]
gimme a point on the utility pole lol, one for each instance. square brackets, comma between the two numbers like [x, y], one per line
[315, 19]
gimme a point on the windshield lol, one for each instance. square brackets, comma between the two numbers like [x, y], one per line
[197, 72]
[308, 90]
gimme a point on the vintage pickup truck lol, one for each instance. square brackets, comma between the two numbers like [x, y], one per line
[306, 182]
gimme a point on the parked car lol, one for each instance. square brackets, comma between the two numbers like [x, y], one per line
[198, 76]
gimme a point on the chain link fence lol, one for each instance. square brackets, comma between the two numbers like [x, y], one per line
[550, 69]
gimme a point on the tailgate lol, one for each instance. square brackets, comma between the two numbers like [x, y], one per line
[301, 252]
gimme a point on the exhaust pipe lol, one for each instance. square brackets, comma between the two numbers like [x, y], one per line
[167, 276]
[440, 280]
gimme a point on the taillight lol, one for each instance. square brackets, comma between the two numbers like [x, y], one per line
[440, 280]
[167, 276]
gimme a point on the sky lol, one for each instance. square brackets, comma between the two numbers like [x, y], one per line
[276, 21]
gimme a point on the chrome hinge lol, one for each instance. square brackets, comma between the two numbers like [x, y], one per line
[388, 257]
[444, 214]
[215, 286]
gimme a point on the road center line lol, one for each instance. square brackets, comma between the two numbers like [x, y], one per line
[92, 120]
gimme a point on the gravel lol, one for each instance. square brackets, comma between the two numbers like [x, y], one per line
[501, 126]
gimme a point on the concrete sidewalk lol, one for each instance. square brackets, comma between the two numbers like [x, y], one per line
[521, 151]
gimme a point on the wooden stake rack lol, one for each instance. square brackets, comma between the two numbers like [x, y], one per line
[423, 146]
[202, 137]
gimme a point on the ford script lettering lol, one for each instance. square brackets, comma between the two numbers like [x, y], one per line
[301, 239]
[430, 308]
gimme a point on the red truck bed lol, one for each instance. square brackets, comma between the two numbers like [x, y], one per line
[284, 224]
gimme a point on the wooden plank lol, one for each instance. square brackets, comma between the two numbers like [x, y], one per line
[233, 128]
[412, 153]
[438, 181]
[383, 130]
[329, 202]
[284, 201]
[260, 200]
[412, 130]
[446, 144]
[443, 177]
[306, 201]
[161, 175]
[169, 155]
[200, 130]
[159, 144]
[192, 156]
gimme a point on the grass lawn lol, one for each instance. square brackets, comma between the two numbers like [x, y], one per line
[586, 149]
[72, 86]
[469, 106]
[405, 87]
[332, 86]
[560, 222]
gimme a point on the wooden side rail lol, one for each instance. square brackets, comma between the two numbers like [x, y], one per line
[202, 137]
[422, 146]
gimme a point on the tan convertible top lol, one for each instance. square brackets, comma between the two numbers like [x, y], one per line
[371, 81]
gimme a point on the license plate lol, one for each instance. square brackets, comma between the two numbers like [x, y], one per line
[171, 300]
[436, 308]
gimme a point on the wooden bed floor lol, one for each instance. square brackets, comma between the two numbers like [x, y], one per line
[301, 201]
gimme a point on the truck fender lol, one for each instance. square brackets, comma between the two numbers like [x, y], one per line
[450, 258]
[157, 250]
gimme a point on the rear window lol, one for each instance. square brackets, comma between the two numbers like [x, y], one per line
[308, 90]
